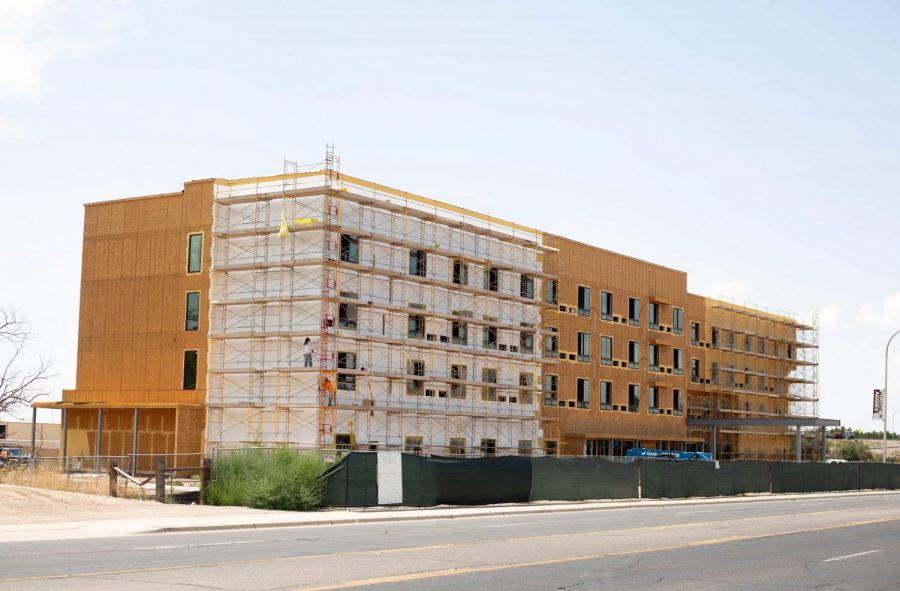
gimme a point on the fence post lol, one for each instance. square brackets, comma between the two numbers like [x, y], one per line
[160, 479]
[113, 479]
[205, 474]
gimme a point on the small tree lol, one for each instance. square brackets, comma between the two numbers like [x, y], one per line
[18, 386]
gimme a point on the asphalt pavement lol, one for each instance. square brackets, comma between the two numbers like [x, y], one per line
[848, 542]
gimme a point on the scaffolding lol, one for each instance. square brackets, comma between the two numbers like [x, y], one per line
[424, 319]
[759, 363]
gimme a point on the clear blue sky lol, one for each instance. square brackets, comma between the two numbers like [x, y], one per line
[755, 145]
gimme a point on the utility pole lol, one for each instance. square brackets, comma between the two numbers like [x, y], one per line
[884, 414]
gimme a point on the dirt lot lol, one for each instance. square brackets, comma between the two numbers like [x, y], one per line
[877, 445]
[21, 505]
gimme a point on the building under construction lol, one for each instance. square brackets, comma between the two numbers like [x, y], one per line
[318, 310]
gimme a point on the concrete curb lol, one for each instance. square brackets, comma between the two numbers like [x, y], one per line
[464, 513]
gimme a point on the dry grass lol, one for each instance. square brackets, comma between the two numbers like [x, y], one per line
[48, 478]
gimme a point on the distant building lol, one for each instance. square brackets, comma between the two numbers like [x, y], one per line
[431, 329]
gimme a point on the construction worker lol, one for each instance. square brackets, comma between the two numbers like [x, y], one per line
[308, 348]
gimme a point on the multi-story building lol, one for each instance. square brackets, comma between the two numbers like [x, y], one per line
[316, 309]
[640, 357]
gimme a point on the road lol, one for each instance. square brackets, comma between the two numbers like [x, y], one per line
[817, 543]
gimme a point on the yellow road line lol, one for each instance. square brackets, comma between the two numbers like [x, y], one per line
[475, 543]
[496, 567]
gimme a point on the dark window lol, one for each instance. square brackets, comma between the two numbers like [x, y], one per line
[459, 333]
[190, 371]
[634, 398]
[654, 315]
[525, 447]
[550, 448]
[761, 345]
[415, 326]
[488, 447]
[492, 279]
[413, 444]
[458, 372]
[551, 343]
[654, 400]
[346, 381]
[457, 446]
[584, 393]
[417, 262]
[489, 393]
[654, 357]
[415, 368]
[606, 305]
[584, 347]
[748, 342]
[584, 300]
[695, 333]
[677, 320]
[526, 286]
[715, 337]
[551, 390]
[347, 316]
[605, 395]
[606, 347]
[343, 441]
[489, 340]
[695, 370]
[526, 342]
[526, 380]
[790, 351]
[634, 311]
[552, 289]
[634, 354]
[349, 249]
[678, 402]
[195, 253]
[678, 361]
[192, 311]
[460, 272]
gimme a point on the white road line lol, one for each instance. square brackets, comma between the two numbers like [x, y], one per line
[200, 545]
[809, 504]
[693, 512]
[852, 555]
[508, 525]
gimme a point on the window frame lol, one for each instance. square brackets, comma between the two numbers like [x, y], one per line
[634, 391]
[582, 393]
[604, 358]
[606, 305]
[350, 252]
[584, 347]
[420, 257]
[187, 310]
[604, 384]
[190, 250]
[185, 383]
[634, 311]
[584, 300]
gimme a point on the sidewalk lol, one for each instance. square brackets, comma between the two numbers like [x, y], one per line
[225, 518]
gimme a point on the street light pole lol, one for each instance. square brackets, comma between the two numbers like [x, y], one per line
[884, 397]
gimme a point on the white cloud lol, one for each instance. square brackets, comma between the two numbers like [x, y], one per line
[887, 317]
[36, 33]
[729, 290]
[830, 317]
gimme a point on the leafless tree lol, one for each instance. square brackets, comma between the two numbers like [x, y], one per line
[18, 386]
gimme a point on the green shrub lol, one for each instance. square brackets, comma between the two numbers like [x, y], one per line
[853, 451]
[283, 478]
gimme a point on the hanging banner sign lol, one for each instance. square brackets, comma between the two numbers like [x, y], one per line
[877, 407]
